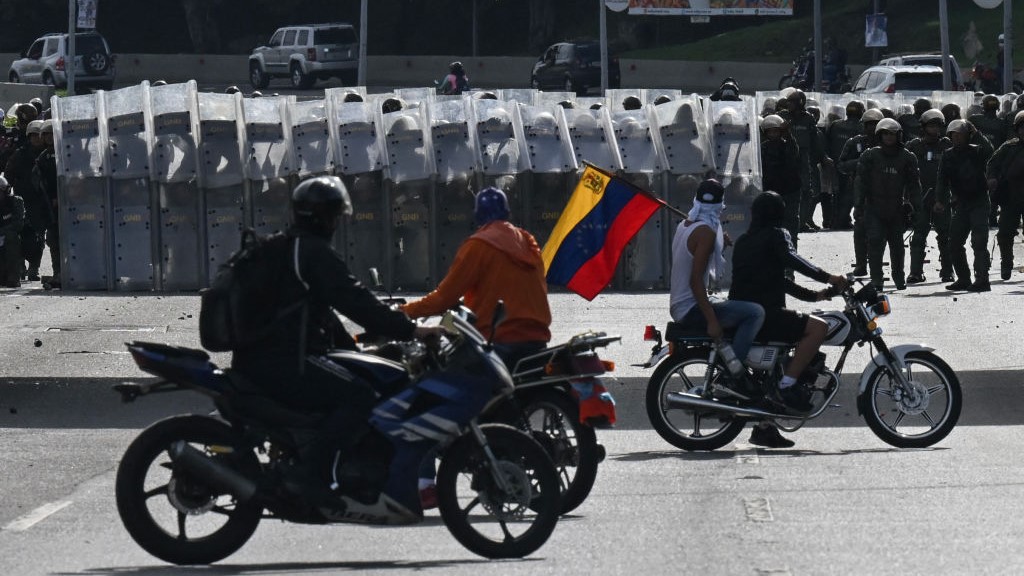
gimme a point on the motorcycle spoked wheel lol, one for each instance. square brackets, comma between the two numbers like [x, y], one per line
[684, 428]
[919, 417]
[175, 517]
[571, 444]
[484, 518]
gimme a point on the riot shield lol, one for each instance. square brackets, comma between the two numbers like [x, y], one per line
[409, 154]
[266, 141]
[496, 143]
[410, 207]
[452, 140]
[416, 96]
[735, 138]
[128, 136]
[338, 94]
[652, 94]
[521, 95]
[682, 136]
[593, 139]
[367, 232]
[454, 220]
[544, 143]
[358, 146]
[637, 149]
[81, 153]
[643, 262]
[615, 97]
[221, 176]
[543, 99]
[765, 101]
[175, 170]
[963, 100]
[311, 141]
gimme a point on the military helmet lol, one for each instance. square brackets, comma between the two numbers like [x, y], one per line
[888, 125]
[798, 97]
[1018, 119]
[855, 109]
[34, 127]
[990, 102]
[872, 115]
[959, 126]
[932, 115]
[772, 121]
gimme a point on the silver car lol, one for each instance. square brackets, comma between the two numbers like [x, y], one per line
[305, 54]
[45, 62]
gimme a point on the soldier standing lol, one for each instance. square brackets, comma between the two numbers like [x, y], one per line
[992, 127]
[780, 167]
[838, 134]
[887, 182]
[961, 186]
[928, 149]
[1005, 173]
[847, 166]
[804, 129]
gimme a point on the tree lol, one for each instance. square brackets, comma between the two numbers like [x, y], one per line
[542, 24]
[202, 25]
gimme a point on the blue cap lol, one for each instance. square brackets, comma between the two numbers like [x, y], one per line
[491, 204]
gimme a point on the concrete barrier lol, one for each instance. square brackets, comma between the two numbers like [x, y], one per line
[11, 94]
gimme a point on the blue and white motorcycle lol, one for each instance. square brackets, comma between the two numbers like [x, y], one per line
[908, 396]
[192, 489]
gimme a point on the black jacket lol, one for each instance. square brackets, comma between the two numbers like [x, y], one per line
[331, 288]
[759, 262]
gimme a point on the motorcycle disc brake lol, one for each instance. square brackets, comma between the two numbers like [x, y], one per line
[510, 505]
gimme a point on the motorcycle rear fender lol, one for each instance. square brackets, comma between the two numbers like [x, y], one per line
[900, 351]
[655, 358]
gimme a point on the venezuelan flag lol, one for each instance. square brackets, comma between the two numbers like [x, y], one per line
[602, 215]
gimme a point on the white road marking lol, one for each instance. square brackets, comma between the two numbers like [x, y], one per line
[758, 509]
[36, 516]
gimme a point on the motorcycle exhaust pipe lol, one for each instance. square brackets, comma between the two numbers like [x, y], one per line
[219, 475]
[689, 401]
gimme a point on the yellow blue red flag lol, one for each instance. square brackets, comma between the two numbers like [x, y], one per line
[602, 215]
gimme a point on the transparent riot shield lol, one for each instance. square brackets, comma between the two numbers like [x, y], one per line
[521, 95]
[221, 176]
[735, 138]
[81, 153]
[765, 101]
[963, 100]
[366, 234]
[129, 134]
[496, 143]
[409, 154]
[358, 146]
[338, 94]
[592, 137]
[682, 136]
[417, 96]
[267, 163]
[545, 143]
[550, 98]
[652, 94]
[311, 141]
[175, 171]
[453, 221]
[616, 97]
[410, 206]
[452, 140]
[637, 149]
[591, 102]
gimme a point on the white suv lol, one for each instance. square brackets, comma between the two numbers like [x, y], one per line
[930, 59]
[907, 80]
[45, 62]
[306, 54]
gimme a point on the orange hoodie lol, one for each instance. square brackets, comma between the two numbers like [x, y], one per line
[498, 262]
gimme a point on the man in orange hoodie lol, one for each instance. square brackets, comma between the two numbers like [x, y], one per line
[498, 262]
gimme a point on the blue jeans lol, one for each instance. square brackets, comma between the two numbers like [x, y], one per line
[745, 317]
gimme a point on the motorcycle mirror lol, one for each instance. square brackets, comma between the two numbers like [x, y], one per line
[497, 319]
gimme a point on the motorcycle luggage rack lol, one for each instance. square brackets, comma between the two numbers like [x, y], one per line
[535, 368]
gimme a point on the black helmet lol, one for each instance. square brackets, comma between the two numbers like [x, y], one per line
[352, 97]
[159, 83]
[26, 113]
[661, 99]
[393, 104]
[38, 104]
[951, 111]
[922, 105]
[232, 90]
[317, 203]
[631, 103]
[768, 210]
[990, 102]
[798, 98]
[854, 110]
[456, 68]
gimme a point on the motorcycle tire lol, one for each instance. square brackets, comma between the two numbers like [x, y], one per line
[571, 444]
[194, 501]
[680, 373]
[875, 411]
[482, 516]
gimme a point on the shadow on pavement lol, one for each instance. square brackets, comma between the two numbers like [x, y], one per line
[285, 567]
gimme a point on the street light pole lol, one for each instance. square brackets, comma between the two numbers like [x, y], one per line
[604, 47]
[819, 79]
[944, 44]
[69, 65]
[361, 73]
[1007, 46]
[874, 50]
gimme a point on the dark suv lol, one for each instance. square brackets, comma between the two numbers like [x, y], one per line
[573, 67]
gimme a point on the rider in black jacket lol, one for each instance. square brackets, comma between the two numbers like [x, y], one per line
[760, 259]
[290, 365]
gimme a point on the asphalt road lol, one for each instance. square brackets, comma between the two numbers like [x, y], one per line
[840, 502]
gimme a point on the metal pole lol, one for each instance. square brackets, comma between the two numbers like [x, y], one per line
[1007, 46]
[361, 74]
[69, 65]
[874, 51]
[818, 78]
[944, 44]
[604, 47]
[474, 28]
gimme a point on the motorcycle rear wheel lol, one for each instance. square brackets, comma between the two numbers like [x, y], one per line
[487, 520]
[149, 489]
[571, 444]
[886, 408]
[685, 372]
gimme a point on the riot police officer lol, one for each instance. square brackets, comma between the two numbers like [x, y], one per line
[780, 167]
[887, 181]
[961, 186]
[1005, 174]
[847, 166]
[804, 130]
[992, 127]
[821, 180]
[838, 134]
[12, 218]
[928, 149]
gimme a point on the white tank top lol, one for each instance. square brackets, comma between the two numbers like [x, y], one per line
[681, 296]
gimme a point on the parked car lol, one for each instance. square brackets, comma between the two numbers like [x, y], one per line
[573, 67]
[929, 59]
[305, 54]
[45, 62]
[907, 80]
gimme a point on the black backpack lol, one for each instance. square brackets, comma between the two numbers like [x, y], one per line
[241, 306]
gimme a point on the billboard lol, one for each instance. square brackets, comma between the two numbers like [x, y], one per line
[711, 7]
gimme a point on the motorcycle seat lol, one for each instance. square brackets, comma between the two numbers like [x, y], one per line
[676, 332]
[251, 400]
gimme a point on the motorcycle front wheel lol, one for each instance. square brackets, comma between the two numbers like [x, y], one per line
[919, 415]
[171, 514]
[571, 444]
[491, 520]
[682, 427]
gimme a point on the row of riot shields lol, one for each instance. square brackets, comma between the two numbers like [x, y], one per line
[158, 182]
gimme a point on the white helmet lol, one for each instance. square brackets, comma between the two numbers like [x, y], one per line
[888, 125]
[932, 115]
[958, 126]
[772, 121]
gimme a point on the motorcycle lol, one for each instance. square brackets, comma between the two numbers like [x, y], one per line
[801, 75]
[909, 397]
[986, 79]
[191, 489]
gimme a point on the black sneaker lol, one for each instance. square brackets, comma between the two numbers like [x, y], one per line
[961, 284]
[915, 278]
[797, 398]
[860, 270]
[769, 437]
[1005, 270]
[946, 276]
[980, 286]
